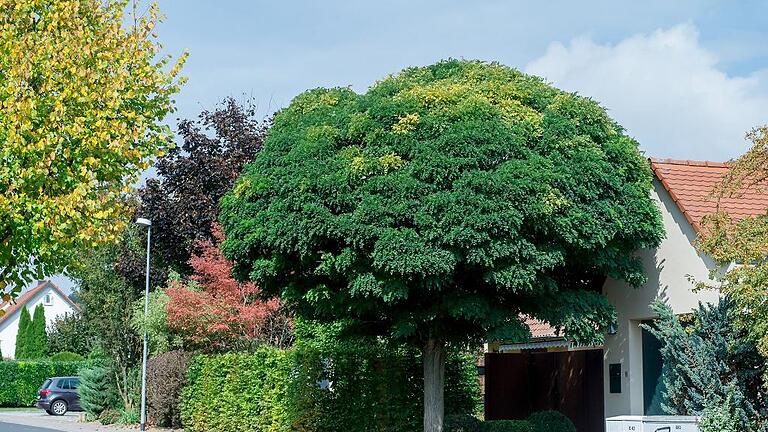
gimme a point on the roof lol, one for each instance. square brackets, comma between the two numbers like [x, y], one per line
[540, 329]
[691, 183]
[29, 295]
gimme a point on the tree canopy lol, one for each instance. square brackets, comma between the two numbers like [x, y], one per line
[743, 241]
[82, 95]
[183, 202]
[443, 205]
[444, 202]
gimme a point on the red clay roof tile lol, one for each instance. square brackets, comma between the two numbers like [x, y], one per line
[690, 184]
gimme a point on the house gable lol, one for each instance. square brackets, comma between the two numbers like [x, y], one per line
[55, 303]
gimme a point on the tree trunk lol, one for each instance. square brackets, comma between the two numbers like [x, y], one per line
[434, 383]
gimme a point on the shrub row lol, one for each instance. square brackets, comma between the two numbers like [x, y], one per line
[544, 421]
[352, 387]
[20, 380]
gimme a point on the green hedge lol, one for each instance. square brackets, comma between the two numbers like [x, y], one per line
[354, 387]
[20, 380]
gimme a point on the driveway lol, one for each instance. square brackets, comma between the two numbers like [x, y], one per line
[39, 421]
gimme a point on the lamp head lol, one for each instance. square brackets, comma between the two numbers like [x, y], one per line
[144, 222]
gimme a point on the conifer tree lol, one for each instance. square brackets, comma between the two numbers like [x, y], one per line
[710, 368]
[97, 390]
[37, 339]
[22, 339]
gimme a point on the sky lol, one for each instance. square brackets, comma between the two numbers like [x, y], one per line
[687, 79]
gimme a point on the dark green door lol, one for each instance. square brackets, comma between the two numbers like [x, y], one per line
[653, 386]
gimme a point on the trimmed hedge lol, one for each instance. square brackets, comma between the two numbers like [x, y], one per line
[20, 380]
[508, 426]
[355, 387]
[550, 421]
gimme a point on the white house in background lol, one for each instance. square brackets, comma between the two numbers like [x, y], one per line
[53, 299]
[624, 373]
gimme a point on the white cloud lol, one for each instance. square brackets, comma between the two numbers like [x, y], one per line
[665, 89]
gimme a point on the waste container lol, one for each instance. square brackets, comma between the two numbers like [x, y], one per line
[652, 424]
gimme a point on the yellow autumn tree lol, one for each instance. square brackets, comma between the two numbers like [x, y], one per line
[743, 242]
[83, 91]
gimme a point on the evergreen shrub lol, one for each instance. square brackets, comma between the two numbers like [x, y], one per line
[550, 421]
[508, 426]
[67, 356]
[98, 392]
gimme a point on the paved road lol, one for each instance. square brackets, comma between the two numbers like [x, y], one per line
[10, 427]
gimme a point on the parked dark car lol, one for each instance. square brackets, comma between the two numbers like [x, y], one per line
[58, 395]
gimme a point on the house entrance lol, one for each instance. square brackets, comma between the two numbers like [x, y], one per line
[519, 384]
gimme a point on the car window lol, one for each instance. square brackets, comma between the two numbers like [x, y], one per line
[74, 383]
[65, 384]
[45, 385]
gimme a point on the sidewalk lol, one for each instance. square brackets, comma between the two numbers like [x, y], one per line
[66, 423]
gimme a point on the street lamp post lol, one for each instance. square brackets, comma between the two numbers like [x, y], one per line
[147, 223]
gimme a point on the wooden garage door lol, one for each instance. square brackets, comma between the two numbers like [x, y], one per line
[517, 385]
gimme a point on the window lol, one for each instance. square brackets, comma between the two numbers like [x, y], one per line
[64, 384]
[48, 299]
[74, 383]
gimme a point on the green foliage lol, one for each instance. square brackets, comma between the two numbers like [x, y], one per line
[319, 385]
[544, 421]
[22, 337]
[550, 421]
[20, 380]
[235, 392]
[463, 423]
[724, 415]
[71, 332]
[508, 426]
[161, 339]
[67, 356]
[107, 299]
[443, 203]
[37, 338]
[97, 390]
[709, 365]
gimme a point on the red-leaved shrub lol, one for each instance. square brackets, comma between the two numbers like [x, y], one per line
[214, 312]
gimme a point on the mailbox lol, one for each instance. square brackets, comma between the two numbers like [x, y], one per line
[652, 424]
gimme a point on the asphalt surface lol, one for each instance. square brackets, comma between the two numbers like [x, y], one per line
[10, 427]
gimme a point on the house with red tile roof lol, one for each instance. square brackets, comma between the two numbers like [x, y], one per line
[623, 374]
[55, 302]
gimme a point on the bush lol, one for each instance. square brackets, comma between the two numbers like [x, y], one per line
[235, 392]
[71, 332]
[128, 417]
[507, 426]
[166, 377]
[98, 393]
[67, 356]
[361, 385]
[550, 421]
[109, 416]
[20, 380]
[463, 423]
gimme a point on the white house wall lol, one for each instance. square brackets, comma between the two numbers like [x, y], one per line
[10, 327]
[668, 269]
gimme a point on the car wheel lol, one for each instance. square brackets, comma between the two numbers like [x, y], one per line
[59, 407]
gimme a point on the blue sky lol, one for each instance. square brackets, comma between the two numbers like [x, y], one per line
[686, 78]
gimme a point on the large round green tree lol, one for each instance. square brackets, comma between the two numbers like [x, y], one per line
[442, 206]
